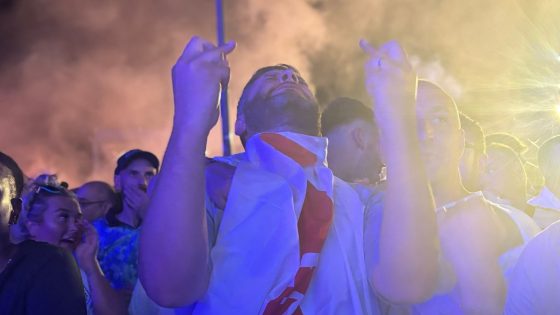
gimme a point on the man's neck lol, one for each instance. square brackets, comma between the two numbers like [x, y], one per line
[516, 199]
[447, 190]
[129, 217]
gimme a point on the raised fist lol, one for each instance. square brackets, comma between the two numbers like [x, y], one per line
[199, 75]
[390, 80]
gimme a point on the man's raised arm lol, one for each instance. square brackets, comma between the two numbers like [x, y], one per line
[406, 268]
[173, 262]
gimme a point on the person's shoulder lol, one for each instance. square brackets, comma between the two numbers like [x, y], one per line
[218, 181]
[107, 233]
[41, 250]
[100, 224]
[219, 169]
[547, 241]
[371, 195]
[531, 290]
[35, 257]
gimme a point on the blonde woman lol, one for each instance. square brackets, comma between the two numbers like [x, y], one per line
[51, 214]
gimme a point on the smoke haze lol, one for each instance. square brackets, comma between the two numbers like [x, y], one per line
[82, 82]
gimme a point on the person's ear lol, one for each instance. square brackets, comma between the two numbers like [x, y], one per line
[32, 228]
[240, 126]
[106, 207]
[359, 138]
[118, 183]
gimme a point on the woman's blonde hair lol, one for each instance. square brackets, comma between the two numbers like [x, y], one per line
[34, 203]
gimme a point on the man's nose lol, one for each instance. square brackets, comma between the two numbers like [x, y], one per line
[143, 182]
[288, 75]
[74, 225]
[425, 130]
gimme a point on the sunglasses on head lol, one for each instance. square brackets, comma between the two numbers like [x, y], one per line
[17, 203]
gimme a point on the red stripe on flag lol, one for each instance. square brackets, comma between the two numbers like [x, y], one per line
[313, 224]
[290, 148]
[315, 220]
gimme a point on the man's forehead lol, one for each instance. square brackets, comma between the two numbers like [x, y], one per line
[87, 190]
[65, 204]
[140, 164]
[432, 100]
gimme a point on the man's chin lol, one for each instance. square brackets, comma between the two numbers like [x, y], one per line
[290, 96]
[291, 92]
[433, 169]
[285, 109]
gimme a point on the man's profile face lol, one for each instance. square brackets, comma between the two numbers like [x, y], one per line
[137, 174]
[93, 202]
[441, 139]
[371, 163]
[502, 171]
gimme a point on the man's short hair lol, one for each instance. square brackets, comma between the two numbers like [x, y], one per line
[473, 131]
[344, 110]
[545, 151]
[126, 159]
[508, 140]
[102, 187]
[8, 162]
[260, 72]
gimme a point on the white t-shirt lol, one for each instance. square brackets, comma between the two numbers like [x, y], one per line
[535, 284]
[256, 248]
[547, 208]
[87, 293]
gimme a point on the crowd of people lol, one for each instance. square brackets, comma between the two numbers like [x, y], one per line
[400, 206]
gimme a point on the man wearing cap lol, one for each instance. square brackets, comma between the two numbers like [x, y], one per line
[118, 233]
[134, 171]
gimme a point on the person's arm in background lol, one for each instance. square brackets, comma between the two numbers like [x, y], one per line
[106, 300]
[404, 268]
[174, 254]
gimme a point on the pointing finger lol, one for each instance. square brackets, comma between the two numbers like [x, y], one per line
[228, 47]
[196, 46]
[367, 47]
[218, 53]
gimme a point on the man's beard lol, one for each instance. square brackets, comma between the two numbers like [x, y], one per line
[283, 112]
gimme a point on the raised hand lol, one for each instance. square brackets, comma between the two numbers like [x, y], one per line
[408, 239]
[390, 81]
[86, 251]
[199, 74]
